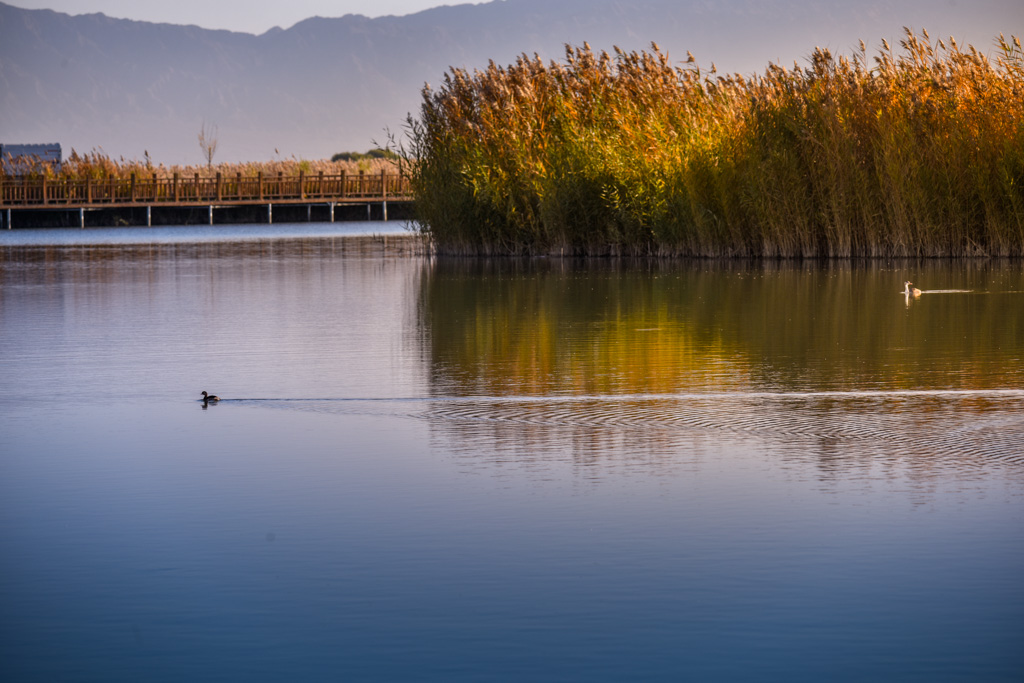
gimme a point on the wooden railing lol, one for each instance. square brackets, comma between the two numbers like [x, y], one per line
[170, 191]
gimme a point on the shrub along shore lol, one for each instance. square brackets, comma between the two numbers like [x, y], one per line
[914, 152]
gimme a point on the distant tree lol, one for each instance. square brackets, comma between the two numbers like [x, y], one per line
[375, 153]
[208, 142]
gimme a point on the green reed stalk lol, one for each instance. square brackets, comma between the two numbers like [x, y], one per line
[920, 153]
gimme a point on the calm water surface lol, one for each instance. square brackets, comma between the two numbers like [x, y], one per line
[505, 470]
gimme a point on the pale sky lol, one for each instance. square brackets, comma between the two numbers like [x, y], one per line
[250, 16]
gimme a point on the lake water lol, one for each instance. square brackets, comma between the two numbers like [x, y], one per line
[472, 470]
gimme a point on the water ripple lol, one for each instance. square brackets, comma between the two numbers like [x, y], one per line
[967, 423]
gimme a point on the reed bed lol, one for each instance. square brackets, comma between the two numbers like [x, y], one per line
[98, 166]
[914, 152]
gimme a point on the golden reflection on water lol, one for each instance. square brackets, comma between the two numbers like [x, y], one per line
[595, 363]
[539, 327]
[813, 361]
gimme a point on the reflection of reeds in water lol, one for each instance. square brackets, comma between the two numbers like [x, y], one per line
[499, 329]
[876, 435]
[88, 265]
[917, 153]
[503, 327]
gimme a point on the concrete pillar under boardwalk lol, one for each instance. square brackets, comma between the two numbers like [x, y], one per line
[385, 210]
[332, 211]
[149, 216]
[211, 214]
[270, 214]
[81, 219]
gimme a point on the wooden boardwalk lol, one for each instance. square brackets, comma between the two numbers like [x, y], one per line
[28, 193]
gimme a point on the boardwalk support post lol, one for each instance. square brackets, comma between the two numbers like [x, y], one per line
[211, 214]
[332, 211]
[149, 216]
[81, 218]
[270, 214]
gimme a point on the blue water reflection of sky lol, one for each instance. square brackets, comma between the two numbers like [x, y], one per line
[193, 234]
[337, 518]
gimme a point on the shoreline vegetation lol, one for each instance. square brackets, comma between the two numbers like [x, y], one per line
[918, 152]
[96, 165]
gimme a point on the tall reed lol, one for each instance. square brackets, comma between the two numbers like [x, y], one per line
[918, 152]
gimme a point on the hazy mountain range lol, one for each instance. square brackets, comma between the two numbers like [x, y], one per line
[330, 85]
